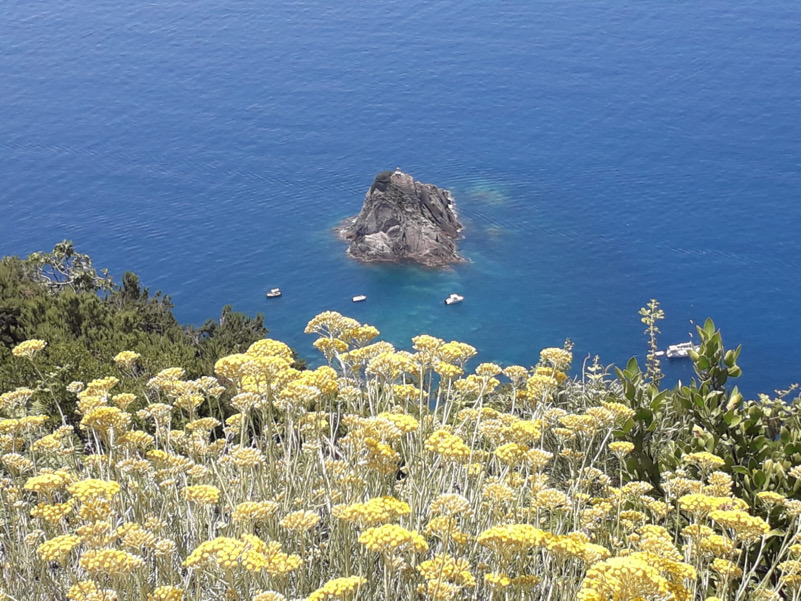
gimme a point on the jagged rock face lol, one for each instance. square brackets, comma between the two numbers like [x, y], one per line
[403, 220]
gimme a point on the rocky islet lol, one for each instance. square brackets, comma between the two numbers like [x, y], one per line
[404, 220]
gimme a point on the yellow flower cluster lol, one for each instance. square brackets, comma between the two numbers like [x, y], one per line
[449, 446]
[300, 521]
[702, 504]
[105, 419]
[52, 513]
[726, 568]
[48, 483]
[450, 504]
[270, 348]
[92, 488]
[372, 512]
[252, 553]
[497, 581]
[57, 549]
[372, 476]
[202, 494]
[705, 461]
[17, 426]
[453, 572]
[540, 387]
[403, 421]
[254, 511]
[446, 528]
[621, 448]
[511, 453]
[87, 590]
[126, 359]
[166, 593]
[15, 399]
[28, 348]
[745, 527]
[556, 357]
[391, 538]
[269, 596]
[512, 538]
[631, 577]
[338, 588]
[111, 562]
[123, 400]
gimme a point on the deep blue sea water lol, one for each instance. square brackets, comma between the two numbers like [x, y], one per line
[601, 153]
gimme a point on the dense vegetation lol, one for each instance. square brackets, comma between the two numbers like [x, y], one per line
[382, 181]
[385, 474]
[86, 318]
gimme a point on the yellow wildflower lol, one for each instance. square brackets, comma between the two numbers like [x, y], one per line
[57, 549]
[621, 448]
[338, 588]
[28, 348]
[254, 511]
[746, 527]
[126, 359]
[705, 461]
[202, 494]
[726, 568]
[497, 581]
[300, 521]
[166, 593]
[449, 446]
[392, 538]
[110, 562]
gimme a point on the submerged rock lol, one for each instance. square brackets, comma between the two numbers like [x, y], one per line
[403, 220]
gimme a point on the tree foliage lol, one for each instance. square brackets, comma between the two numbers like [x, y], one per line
[759, 439]
[87, 319]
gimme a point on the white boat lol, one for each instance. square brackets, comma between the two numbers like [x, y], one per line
[359, 298]
[680, 351]
[454, 298]
[273, 293]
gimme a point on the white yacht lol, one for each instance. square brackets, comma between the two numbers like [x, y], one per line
[454, 298]
[680, 351]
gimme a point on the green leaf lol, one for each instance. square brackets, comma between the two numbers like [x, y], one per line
[658, 401]
[644, 415]
[729, 358]
[628, 426]
[733, 419]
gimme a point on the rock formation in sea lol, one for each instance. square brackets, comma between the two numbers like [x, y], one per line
[403, 220]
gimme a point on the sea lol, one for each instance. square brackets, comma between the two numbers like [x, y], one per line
[601, 153]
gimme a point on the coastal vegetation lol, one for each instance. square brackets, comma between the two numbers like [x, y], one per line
[60, 297]
[382, 181]
[384, 474]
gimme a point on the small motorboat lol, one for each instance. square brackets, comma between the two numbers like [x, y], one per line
[273, 293]
[359, 298]
[680, 351]
[454, 298]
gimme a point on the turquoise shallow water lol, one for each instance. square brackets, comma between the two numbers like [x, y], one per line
[601, 153]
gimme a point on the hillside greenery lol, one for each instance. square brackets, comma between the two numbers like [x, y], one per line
[60, 297]
[159, 473]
